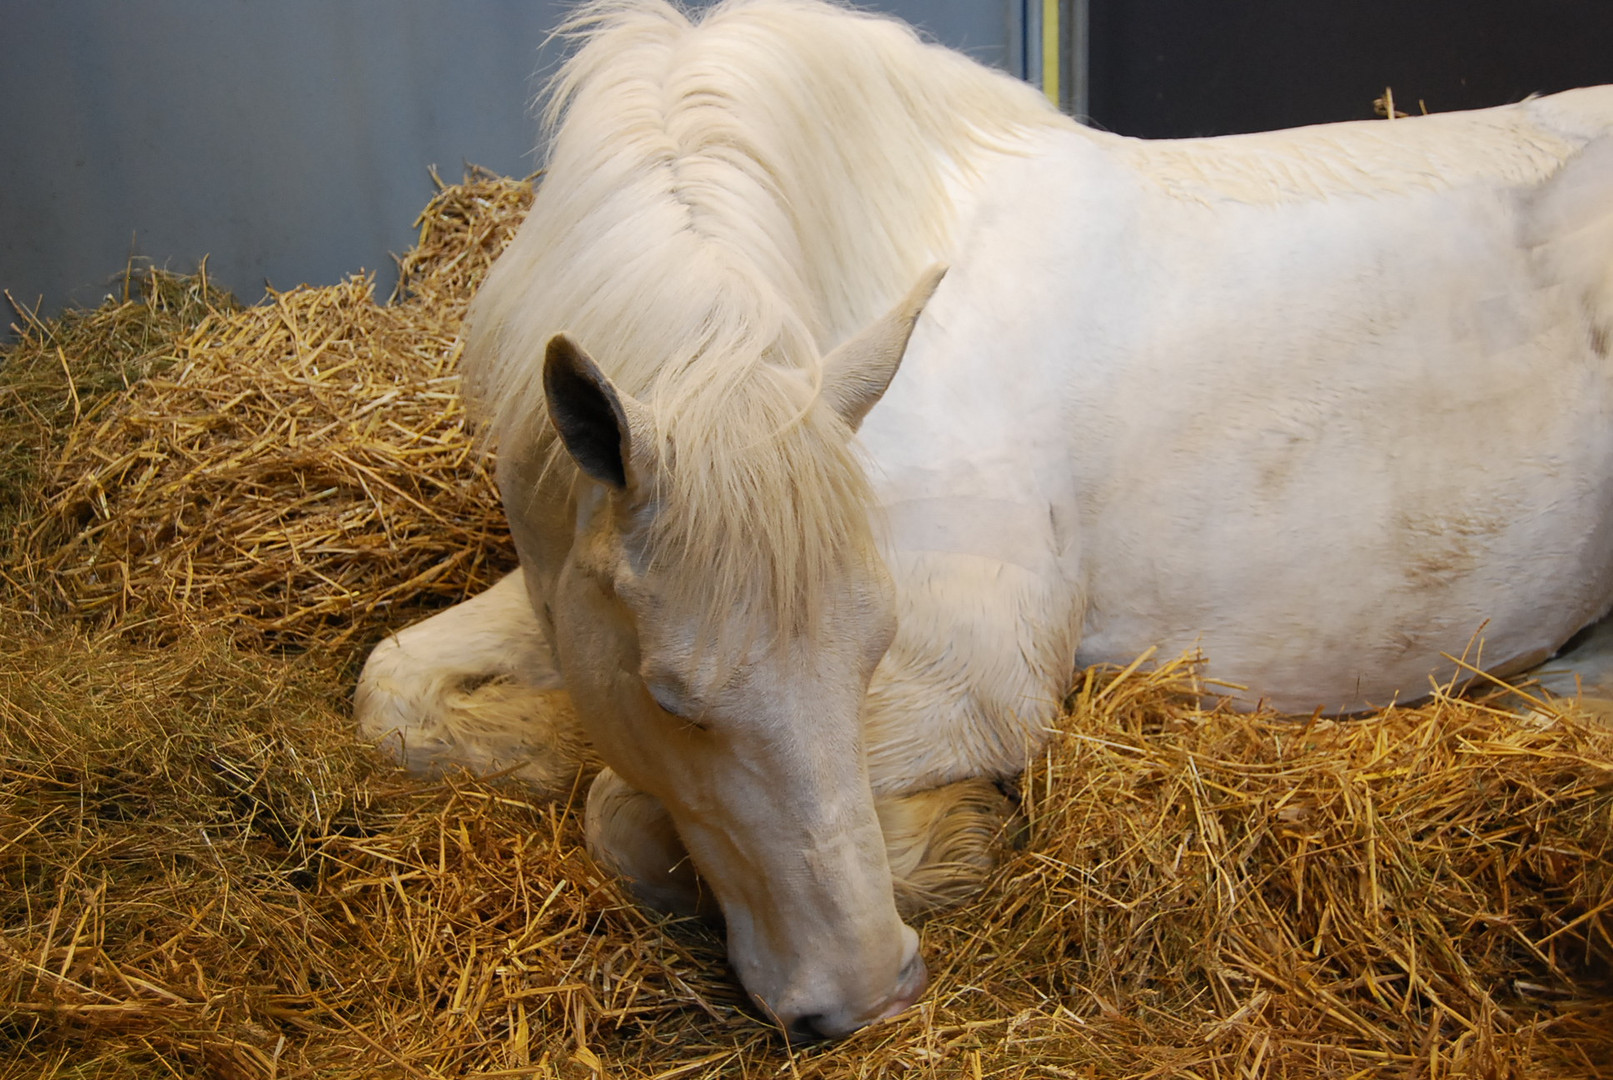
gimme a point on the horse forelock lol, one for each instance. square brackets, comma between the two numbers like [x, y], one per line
[765, 504]
[723, 202]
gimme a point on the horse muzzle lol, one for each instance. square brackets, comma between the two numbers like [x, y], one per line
[914, 980]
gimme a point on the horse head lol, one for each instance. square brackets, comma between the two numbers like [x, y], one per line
[744, 722]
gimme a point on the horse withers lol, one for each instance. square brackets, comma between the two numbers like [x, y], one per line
[814, 536]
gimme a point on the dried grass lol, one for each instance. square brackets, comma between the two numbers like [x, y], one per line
[202, 874]
[202, 869]
[290, 470]
[42, 396]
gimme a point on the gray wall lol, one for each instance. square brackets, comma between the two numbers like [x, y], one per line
[287, 140]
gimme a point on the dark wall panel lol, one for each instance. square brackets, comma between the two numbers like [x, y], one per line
[1172, 68]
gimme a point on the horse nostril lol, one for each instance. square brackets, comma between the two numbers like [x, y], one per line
[804, 1029]
[915, 980]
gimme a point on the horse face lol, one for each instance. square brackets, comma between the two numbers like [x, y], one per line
[759, 763]
[751, 740]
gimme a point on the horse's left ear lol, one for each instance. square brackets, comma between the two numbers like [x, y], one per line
[602, 428]
[857, 371]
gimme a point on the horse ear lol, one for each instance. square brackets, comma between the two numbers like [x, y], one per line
[857, 371]
[601, 427]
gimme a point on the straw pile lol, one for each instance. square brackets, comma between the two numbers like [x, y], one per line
[203, 875]
[294, 468]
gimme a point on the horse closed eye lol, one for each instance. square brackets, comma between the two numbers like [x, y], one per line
[674, 703]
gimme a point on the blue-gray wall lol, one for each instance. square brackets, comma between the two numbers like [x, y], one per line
[287, 140]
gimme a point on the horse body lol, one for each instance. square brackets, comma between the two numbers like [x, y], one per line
[1324, 403]
[1325, 434]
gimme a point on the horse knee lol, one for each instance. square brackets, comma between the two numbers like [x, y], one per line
[632, 835]
[431, 716]
[942, 843]
[392, 705]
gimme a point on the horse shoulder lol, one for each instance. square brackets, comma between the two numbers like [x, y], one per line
[983, 655]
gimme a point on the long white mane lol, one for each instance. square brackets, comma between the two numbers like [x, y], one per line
[722, 202]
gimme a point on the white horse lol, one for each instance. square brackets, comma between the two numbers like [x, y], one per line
[1323, 402]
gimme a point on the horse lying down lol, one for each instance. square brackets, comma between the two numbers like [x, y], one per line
[814, 536]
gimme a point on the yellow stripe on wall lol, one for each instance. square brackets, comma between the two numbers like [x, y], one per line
[1050, 50]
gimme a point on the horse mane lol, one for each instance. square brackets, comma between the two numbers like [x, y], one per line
[723, 201]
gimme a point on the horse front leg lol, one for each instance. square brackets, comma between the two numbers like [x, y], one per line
[941, 844]
[630, 833]
[476, 687]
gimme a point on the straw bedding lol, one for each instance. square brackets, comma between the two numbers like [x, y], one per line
[294, 470]
[208, 511]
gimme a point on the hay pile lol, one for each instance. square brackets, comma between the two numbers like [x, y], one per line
[293, 469]
[203, 875]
